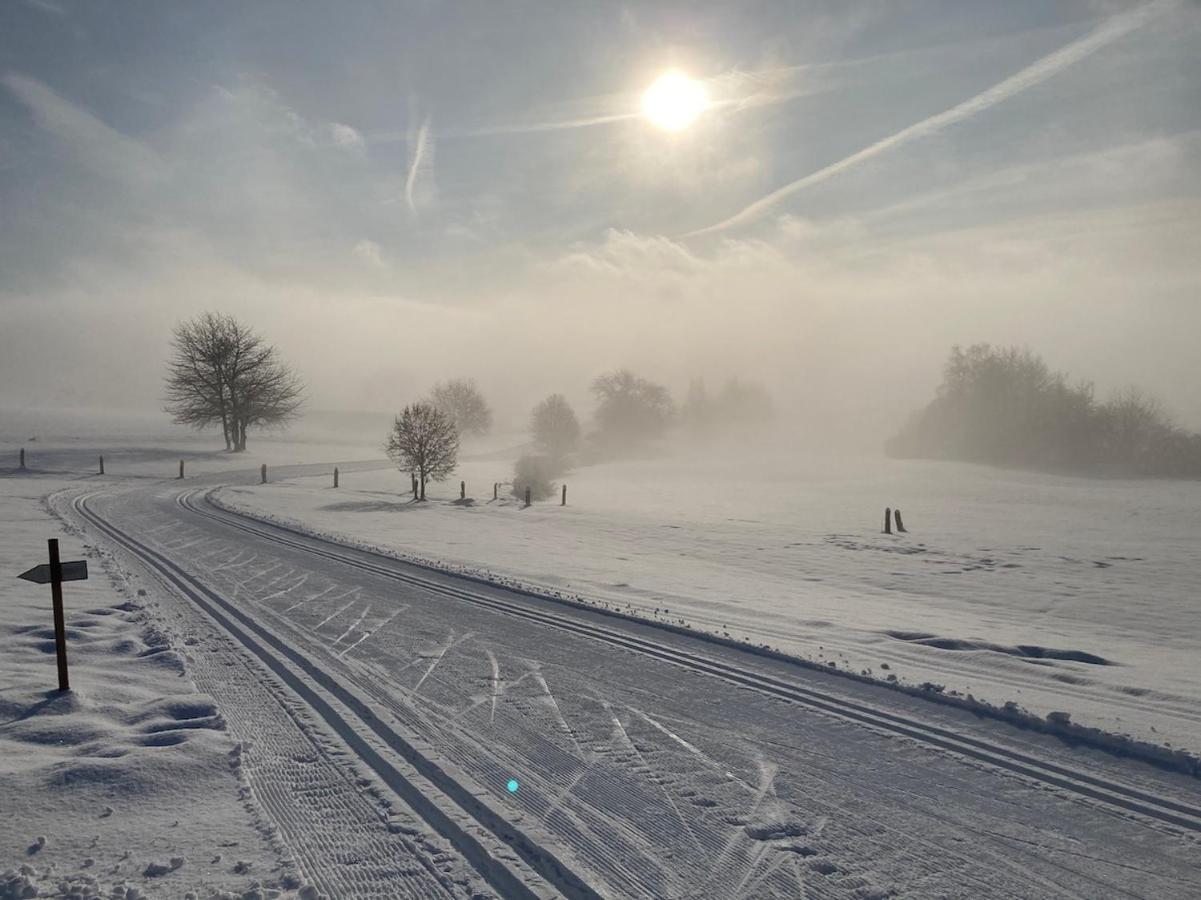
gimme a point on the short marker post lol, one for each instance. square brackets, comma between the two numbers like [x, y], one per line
[22, 465]
[263, 474]
[335, 476]
[101, 465]
[527, 495]
[462, 490]
[181, 468]
[563, 502]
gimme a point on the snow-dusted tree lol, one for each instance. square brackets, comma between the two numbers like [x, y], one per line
[462, 401]
[221, 372]
[423, 442]
[555, 428]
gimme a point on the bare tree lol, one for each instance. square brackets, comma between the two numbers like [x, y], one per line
[196, 373]
[555, 427]
[462, 401]
[424, 442]
[222, 372]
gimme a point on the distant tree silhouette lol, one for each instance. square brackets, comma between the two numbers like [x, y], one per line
[221, 372]
[1006, 406]
[739, 403]
[462, 401]
[630, 409]
[555, 428]
[423, 442]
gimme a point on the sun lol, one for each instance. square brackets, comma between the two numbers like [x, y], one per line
[674, 101]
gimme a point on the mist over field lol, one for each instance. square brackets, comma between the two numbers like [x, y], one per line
[399, 225]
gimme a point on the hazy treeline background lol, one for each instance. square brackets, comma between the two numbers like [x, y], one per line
[1006, 406]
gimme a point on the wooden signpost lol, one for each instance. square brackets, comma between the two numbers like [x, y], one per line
[55, 573]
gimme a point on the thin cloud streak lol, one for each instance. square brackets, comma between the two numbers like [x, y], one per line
[419, 154]
[97, 146]
[1050, 65]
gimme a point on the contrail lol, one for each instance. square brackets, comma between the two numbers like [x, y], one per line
[415, 166]
[1037, 72]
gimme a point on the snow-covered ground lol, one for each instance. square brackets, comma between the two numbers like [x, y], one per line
[130, 783]
[1060, 594]
[352, 728]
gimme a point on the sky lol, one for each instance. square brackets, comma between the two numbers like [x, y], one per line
[397, 193]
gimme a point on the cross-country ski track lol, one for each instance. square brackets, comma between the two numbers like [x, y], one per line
[650, 763]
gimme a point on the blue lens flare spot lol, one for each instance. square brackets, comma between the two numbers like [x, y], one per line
[513, 785]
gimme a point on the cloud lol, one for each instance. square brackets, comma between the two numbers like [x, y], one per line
[47, 7]
[96, 145]
[370, 252]
[1050, 65]
[346, 136]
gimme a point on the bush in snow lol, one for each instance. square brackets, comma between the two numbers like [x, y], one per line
[535, 472]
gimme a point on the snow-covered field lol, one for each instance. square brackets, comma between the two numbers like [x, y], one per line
[1060, 594]
[253, 707]
[130, 782]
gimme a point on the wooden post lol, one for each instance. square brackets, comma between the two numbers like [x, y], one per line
[335, 476]
[101, 465]
[462, 490]
[263, 474]
[563, 502]
[181, 468]
[527, 495]
[900, 525]
[22, 458]
[60, 628]
[495, 491]
[887, 520]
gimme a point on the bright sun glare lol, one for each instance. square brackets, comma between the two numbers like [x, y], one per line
[674, 101]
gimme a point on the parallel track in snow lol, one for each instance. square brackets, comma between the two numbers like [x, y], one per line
[353, 721]
[1101, 790]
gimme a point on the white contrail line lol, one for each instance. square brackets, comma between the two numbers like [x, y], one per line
[415, 165]
[1035, 73]
[562, 125]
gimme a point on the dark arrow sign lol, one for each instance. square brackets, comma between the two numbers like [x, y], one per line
[76, 570]
[54, 574]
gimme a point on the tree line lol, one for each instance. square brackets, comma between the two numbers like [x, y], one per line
[1006, 406]
[222, 373]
